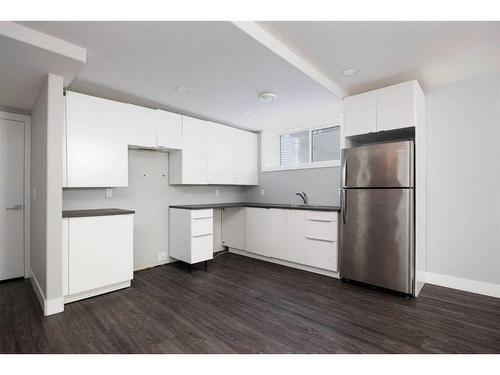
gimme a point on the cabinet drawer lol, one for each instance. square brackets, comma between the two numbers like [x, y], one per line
[202, 248]
[202, 226]
[321, 230]
[321, 254]
[321, 216]
[198, 214]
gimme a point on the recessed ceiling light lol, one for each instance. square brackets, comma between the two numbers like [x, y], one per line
[267, 97]
[183, 89]
[350, 71]
[248, 112]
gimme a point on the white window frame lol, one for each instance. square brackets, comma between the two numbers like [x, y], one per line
[309, 165]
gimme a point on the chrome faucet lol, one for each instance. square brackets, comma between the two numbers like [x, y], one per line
[303, 196]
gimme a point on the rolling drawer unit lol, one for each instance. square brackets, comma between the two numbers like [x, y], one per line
[191, 235]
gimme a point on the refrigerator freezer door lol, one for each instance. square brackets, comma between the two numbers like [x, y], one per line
[378, 166]
[377, 237]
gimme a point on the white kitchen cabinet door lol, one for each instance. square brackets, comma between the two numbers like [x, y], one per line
[274, 233]
[100, 252]
[234, 227]
[247, 158]
[255, 218]
[96, 136]
[396, 106]
[266, 232]
[141, 123]
[295, 236]
[221, 167]
[169, 130]
[360, 114]
[189, 166]
[65, 247]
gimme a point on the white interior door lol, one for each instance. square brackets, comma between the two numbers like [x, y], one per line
[11, 199]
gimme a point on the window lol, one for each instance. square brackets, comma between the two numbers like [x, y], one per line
[294, 148]
[326, 144]
[310, 146]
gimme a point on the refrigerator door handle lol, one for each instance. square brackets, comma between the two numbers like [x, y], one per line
[344, 171]
[344, 206]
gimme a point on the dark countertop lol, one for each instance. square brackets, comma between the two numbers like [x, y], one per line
[257, 205]
[96, 212]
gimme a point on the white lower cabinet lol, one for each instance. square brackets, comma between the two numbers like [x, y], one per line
[321, 254]
[191, 235]
[299, 236]
[312, 239]
[266, 231]
[295, 239]
[234, 222]
[97, 254]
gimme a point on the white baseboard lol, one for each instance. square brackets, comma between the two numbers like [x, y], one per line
[38, 291]
[96, 292]
[479, 287]
[49, 306]
[286, 263]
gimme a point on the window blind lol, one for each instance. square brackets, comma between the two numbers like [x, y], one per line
[326, 144]
[294, 148]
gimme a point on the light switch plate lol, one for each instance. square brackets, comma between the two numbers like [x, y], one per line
[109, 193]
[262, 192]
[217, 192]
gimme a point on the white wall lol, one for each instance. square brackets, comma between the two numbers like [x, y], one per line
[149, 194]
[38, 223]
[463, 165]
[320, 184]
[46, 199]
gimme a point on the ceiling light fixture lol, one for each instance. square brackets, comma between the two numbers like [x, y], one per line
[350, 71]
[183, 89]
[267, 97]
[248, 112]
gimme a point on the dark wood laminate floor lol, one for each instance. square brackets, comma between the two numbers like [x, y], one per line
[242, 305]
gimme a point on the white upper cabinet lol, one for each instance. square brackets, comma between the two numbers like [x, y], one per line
[154, 129]
[169, 130]
[396, 106]
[98, 133]
[141, 125]
[247, 158]
[214, 154]
[222, 148]
[189, 166]
[96, 142]
[389, 108]
[360, 114]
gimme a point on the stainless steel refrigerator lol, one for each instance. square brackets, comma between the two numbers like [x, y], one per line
[378, 215]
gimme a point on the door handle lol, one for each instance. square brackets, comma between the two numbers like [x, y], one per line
[15, 207]
[344, 170]
[344, 206]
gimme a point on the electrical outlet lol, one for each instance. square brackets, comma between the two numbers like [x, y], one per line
[262, 192]
[109, 193]
[162, 256]
[217, 192]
